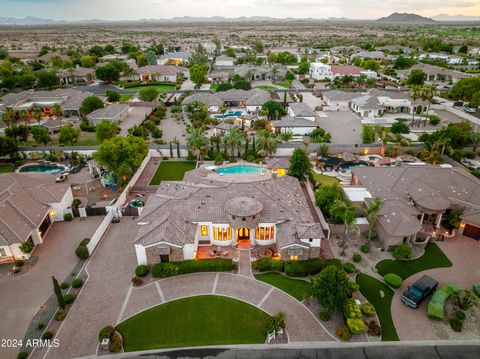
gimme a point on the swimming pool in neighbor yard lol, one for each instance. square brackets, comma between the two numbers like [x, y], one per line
[46, 168]
[240, 170]
[228, 115]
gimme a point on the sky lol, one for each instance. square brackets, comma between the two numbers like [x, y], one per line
[165, 9]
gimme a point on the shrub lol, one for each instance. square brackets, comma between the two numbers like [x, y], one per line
[357, 257]
[343, 333]
[435, 306]
[353, 314]
[467, 299]
[402, 251]
[325, 316]
[47, 335]
[191, 266]
[460, 314]
[456, 324]
[367, 309]
[137, 281]
[374, 329]
[303, 268]
[349, 267]
[434, 120]
[268, 264]
[393, 280]
[334, 262]
[26, 247]
[22, 355]
[69, 298]
[82, 252]
[64, 285]
[67, 217]
[105, 332]
[84, 242]
[141, 270]
[40, 325]
[76, 202]
[365, 248]
[115, 345]
[60, 315]
[77, 283]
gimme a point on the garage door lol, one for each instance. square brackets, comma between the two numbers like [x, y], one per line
[472, 231]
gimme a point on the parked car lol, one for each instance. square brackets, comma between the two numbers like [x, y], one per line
[420, 290]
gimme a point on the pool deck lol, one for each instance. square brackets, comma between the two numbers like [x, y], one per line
[240, 178]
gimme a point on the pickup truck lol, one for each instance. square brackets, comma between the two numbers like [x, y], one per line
[421, 289]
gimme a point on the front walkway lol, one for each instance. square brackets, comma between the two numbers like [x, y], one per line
[302, 325]
[414, 324]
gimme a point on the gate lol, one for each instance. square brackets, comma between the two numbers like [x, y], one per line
[97, 211]
[130, 211]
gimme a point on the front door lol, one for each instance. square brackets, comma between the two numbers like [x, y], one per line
[243, 234]
[164, 258]
[472, 232]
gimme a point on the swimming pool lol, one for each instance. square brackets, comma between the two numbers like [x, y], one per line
[35, 167]
[233, 170]
[354, 164]
[229, 114]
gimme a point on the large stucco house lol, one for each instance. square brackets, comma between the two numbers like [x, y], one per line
[416, 199]
[29, 203]
[201, 212]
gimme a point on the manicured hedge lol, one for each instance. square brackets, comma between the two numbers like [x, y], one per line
[304, 268]
[349, 267]
[436, 304]
[191, 266]
[367, 309]
[353, 314]
[393, 280]
[268, 264]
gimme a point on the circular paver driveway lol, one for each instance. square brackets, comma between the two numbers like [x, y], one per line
[413, 324]
[302, 326]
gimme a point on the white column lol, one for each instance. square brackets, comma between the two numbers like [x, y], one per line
[421, 218]
[439, 220]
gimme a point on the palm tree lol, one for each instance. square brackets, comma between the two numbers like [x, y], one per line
[233, 140]
[344, 211]
[222, 108]
[324, 149]
[415, 92]
[371, 213]
[429, 92]
[37, 114]
[197, 143]
[267, 142]
[286, 136]
[57, 110]
[380, 132]
[9, 116]
[249, 76]
[23, 116]
[275, 70]
[475, 140]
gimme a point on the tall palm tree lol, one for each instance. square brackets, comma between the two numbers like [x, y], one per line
[57, 110]
[233, 140]
[344, 211]
[9, 116]
[429, 92]
[275, 70]
[475, 140]
[415, 95]
[371, 213]
[23, 117]
[222, 108]
[324, 150]
[37, 114]
[381, 134]
[286, 136]
[249, 76]
[267, 142]
[197, 143]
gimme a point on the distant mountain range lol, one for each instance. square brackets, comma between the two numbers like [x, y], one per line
[394, 18]
[405, 18]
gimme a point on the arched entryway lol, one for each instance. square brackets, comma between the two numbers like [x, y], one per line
[243, 237]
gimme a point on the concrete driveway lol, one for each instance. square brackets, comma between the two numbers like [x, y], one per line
[344, 126]
[413, 324]
[22, 296]
[110, 271]
[135, 117]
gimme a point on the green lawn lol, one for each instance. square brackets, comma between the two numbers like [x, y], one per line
[194, 321]
[370, 289]
[6, 167]
[171, 171]
[324, 180]
[433, 258]
[282, 84]
[125, 97]
[161, 88]
[266, 87]
[300, 289]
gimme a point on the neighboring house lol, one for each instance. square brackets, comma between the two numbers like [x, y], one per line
[300, 109]
[211, 100]
[162, 73]
[198, 212]
[47, 57]
[252, 100]
[29, 203]
[224, 63]
[175, 58]
[301, 120]
[377, 102]
[345, 50]
[217, 76]
[320, 71]
[112, 57]
[435, 74]
[336, 100]
[53, 125]
[396, 48]
[77, 75]
[415, 199]
[69, 99]
[115, 113]
[261, 73]
[374, 55]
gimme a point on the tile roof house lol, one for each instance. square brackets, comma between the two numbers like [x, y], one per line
[337, 100]
[181, 216]
[47, 57]
[77, 75]
[377, 102]
[301, 120]
[29, 203]
[115, 113]
[320, 71]
[414, 197]
[164, 73]
[175, 58]
[435, 74]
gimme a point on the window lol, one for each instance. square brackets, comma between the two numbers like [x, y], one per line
[294, 258]
[262, 233]
[257, 229]
[243, 219]
[204, 230]
[3, 253]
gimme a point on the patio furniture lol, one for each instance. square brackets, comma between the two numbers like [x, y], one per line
[225, 254]
[212, 253]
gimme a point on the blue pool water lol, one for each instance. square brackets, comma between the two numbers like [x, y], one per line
[239, 170]
[229, 114]
[53, 169]
[354, 164]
